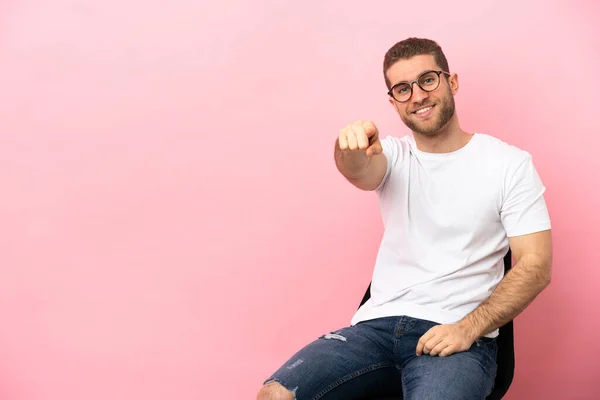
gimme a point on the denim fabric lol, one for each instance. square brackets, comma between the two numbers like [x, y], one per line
[378, 357]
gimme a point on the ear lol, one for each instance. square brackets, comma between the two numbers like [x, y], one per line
[453, 81]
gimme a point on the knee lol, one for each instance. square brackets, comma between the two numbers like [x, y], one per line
[274, 391]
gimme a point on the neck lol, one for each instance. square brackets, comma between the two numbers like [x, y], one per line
[448, 139]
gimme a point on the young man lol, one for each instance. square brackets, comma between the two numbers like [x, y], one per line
[452, 203]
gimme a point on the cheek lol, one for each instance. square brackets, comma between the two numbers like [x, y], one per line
[403, 111]
[399, 109]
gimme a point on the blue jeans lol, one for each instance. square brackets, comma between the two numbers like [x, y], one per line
[378, 358]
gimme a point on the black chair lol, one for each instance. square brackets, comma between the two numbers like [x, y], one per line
[506, 349]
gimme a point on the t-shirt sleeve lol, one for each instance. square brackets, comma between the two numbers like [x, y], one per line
[523, 209]
[391, 151]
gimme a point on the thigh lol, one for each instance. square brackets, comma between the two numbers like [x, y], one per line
[466, 375]
[350, 363]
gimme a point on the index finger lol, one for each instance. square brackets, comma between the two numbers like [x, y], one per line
[369, 128]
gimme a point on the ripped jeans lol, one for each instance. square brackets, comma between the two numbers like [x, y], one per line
[378, 358]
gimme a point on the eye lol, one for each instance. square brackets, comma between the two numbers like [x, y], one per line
[429, 79]
[402, 89]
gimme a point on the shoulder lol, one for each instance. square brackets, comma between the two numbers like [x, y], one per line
[512, 165]
[500, 152]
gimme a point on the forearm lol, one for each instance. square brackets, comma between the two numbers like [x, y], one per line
[352, 164]
[516, 291]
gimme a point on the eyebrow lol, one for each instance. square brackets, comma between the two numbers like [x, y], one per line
[420, 73]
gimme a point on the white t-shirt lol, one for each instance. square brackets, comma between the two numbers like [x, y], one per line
[447, 219]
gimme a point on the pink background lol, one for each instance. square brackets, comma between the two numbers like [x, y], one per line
[173, 226]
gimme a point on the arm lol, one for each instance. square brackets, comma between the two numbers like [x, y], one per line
[359, 156]
[523, 210]
[521, 285]
[526, 279]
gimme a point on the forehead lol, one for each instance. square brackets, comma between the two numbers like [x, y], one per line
[408, 69]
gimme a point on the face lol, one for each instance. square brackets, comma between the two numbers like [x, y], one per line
[436, 107]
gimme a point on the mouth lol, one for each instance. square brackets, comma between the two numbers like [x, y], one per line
[423, 111]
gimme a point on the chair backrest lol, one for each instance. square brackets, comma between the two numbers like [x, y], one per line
[506, 346]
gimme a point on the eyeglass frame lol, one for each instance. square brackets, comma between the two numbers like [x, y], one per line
[410, 84]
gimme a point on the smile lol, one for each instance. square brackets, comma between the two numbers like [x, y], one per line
[422, 112]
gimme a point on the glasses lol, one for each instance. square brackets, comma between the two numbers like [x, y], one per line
[428, 81]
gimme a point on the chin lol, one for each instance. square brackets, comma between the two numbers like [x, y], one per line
[428, 133]
[431, 129]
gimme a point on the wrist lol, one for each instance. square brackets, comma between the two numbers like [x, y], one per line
[470, 329]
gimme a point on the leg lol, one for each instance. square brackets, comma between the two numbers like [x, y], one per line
[350, 363]
[461, 376]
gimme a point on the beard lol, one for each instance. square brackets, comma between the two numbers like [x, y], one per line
[432, 126]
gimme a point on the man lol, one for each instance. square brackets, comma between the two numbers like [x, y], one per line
[452, 204]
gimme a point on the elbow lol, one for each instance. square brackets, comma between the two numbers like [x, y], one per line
[546, 282]
[542, 270]
[549, 279]
[546, 278]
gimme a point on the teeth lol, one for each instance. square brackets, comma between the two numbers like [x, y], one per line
[422, 110]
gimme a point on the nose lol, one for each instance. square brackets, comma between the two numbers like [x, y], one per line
[418, 94]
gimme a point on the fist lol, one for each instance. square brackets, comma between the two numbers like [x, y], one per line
[360, 135]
